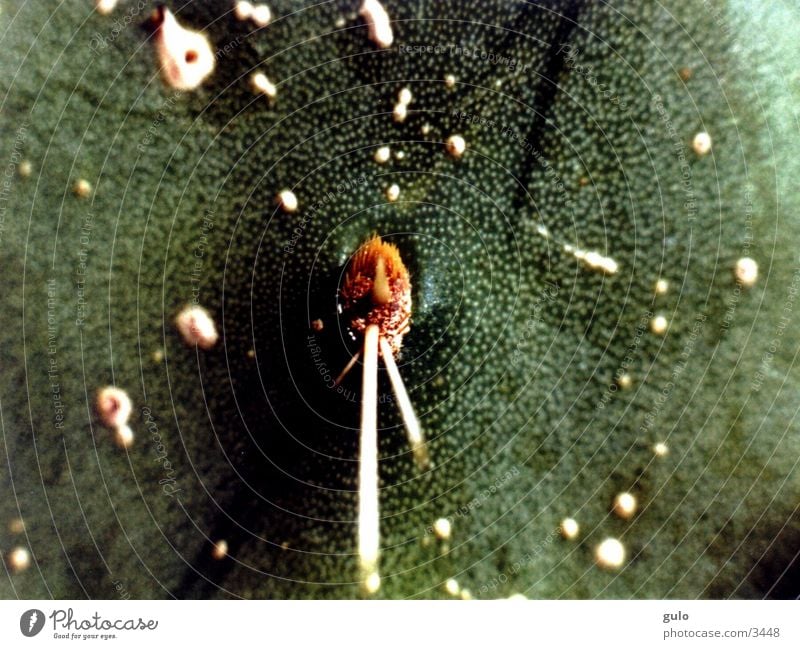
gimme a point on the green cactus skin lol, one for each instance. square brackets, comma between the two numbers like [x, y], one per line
[515, 344]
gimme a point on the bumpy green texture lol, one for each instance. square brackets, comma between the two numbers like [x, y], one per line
[578, 118]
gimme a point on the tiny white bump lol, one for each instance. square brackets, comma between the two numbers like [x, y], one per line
[569, 529]
[288, 201]
[393, 193]
[261, 84]
[701, 143]
[456, 145]
[261, 15]
[82, 188]
[400, 112]
[451, 587]
[610, 554]
[380, 27]
[442, 529]
[243, 10]
[196, 327]
[658, 325]
[220, 550]
[625, 505]
[383, 154]
[19, 559]
[372, 583]
[746, 271]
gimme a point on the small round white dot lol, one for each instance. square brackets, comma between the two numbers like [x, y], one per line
[220, 550]
[451, 587]
[625, 505]
[393, 193]
[660, 449]
[263, 85]
[383, 154]
[701, 143]
[185, 56]
[610, 554]
[105, 7]
[405, 96]
[569, 528]
[662, 286]
[625, 381]
[746, 271]
[82, 188]
[450, 81]
[19, 559]
[659, 325]
[400, 112]
[261, 15]
[243, 10]
[442, 528]
[456, 146]
[288, 201]
[25, 168]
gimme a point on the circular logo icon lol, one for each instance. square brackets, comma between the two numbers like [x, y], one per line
[31, 622]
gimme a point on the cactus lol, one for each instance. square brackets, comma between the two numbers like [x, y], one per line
[605, 387]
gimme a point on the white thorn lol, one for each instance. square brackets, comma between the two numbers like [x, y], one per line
[415, 437]
[368, 506]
